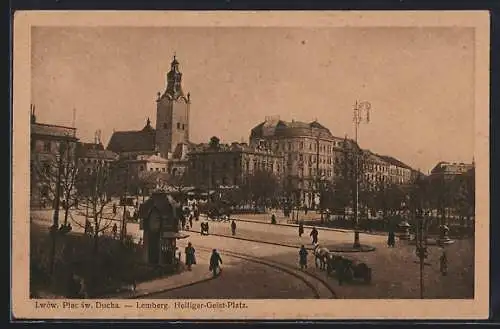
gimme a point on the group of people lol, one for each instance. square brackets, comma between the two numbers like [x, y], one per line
[214, 264]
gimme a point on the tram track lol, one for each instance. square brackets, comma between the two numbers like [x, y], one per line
[320, 288]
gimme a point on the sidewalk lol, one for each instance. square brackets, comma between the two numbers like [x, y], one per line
[284, 221]
[198, 274]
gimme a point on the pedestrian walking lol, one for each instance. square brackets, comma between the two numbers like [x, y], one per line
[391, 239]
[314, 235]
[190, 256]
[196, 213]
[204, 228]
[191, 220]
[303, 257]
[301, 229]
[233, 227]
[115, 230]
[305, 210]
[114, 208]
[443, 263]
[215, 261]
[273, 219]
[183, 221]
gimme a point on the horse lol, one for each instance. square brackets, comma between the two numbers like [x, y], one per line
[321, 254]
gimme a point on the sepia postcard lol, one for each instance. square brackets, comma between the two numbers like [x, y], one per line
[250, 165]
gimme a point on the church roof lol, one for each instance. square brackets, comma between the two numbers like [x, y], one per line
[132, 141]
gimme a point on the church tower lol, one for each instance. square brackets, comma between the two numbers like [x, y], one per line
[172, 113]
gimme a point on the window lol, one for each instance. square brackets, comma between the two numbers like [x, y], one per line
[46, 168]
[157, 169]
[163, 169]
[46, 146]
[178, 125]
[165, 126]
[150, 169]
[301, 145]
[183, 126]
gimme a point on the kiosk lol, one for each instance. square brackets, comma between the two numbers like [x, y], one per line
[159, 218]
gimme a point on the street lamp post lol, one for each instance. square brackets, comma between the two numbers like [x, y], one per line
[361, 114]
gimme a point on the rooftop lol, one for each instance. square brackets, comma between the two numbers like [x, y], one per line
[52, 130]
[279, 128]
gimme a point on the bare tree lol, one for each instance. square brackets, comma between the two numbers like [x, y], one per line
[59, 174]
[93, 186]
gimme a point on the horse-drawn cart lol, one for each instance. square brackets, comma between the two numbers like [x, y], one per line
[348, 268]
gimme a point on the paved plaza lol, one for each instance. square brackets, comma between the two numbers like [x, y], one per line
[395, 270]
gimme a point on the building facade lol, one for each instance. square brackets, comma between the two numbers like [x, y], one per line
[52, 147]
[449, 170]
[310, 151]
[312, 154]
[91, 155]
[212, 166]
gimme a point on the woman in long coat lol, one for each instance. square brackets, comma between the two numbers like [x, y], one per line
[190, 257]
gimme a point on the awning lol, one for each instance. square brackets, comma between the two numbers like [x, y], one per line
[174, 235]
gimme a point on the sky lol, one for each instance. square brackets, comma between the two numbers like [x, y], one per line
[419, 81]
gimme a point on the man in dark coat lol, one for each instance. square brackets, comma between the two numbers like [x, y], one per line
[391, 239]
[301, 229]
[303, 257]
[233, 227]
[215, 260]
[314, 235]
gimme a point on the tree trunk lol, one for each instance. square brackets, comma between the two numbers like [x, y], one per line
[95, 249]
[66, 213]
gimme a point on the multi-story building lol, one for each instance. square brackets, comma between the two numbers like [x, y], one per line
[90, 155]
[449, 170]
[52, 147]
[387, 170]
[310, 152]
[212, 166]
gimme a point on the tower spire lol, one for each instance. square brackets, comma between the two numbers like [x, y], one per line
[174, 80]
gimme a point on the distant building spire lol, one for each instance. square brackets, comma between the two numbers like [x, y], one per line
[33, 116]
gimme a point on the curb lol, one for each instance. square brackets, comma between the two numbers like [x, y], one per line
[306, 226]
[149, 293]
[280, 244]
